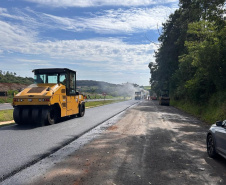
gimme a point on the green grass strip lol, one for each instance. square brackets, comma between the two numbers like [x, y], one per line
[102, 102]
[6, 115]
[6, 99]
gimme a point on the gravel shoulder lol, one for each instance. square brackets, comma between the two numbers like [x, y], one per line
[151, 144]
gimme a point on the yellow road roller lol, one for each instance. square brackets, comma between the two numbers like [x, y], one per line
[52, 96]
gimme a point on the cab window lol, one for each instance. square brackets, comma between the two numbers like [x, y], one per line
[72, 79]
[40, 78]
[52, 78]
[63, 79]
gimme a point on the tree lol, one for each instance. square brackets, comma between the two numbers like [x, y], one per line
[191, 58]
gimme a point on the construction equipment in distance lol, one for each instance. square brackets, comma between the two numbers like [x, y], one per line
[137, 95]
[154, 96]
[164, 98]
[52, 96]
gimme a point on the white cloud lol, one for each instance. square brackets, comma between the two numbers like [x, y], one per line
[105, 59]
[100, 51]
[34, 62]
[106, 53]
[4, 13]
[131, 20]
[105, 22]
[97, 52]
[20, 39]
[113, 21]
[3, 10]
[14, 35]
[96, 3]
[21, 36]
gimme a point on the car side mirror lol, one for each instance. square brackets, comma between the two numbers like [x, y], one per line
[219, 123]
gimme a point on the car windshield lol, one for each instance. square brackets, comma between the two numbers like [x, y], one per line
[45, 78]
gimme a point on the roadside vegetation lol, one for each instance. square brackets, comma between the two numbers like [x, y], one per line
[191, 59]
[210, 111]
[98, 96]
[10, 77]
[147, 88]
[6, 100]
[103, 102]
[9, 97]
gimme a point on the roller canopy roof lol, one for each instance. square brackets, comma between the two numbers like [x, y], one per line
[52, 70]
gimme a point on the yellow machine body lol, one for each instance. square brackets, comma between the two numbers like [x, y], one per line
[44, 103]
[50, 94]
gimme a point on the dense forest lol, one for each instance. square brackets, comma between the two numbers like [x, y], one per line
[191, 58]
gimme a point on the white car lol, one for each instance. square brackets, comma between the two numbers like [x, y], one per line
[216, 139]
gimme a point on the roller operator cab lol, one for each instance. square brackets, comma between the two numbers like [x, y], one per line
[52, 96]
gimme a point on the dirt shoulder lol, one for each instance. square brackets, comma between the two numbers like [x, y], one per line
[12, 86]
[151, 144]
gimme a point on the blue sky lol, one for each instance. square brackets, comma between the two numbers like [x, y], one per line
[104, 40]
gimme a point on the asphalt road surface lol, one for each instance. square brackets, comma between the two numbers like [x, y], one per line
[149, 144]
[5, 106]
[20, 146]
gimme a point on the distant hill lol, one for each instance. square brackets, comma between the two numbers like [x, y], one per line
[9, 81]
[100, 87]
[94, 83]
